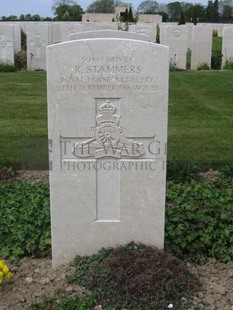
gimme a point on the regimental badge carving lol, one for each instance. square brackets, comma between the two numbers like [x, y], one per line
[177, 33]
[108, 140]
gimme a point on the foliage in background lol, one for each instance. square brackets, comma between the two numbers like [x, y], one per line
[228, 64]
[182, 18]
[67, 10]
[216, 60]
[102, 6]
[23, 40]
[134, 276]
[199, 220]
[148, 7]
[25, 220]
[203, 66]
[21, 60]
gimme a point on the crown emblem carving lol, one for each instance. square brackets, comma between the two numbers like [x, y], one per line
[108, 138]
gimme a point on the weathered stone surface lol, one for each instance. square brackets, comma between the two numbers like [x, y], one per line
[201, 47]
[107, 103]
[176, 39]
[227, 45]
[38, 37]
[7, 44]
[109, 34]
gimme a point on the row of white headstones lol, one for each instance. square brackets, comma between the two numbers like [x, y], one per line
[179, 39]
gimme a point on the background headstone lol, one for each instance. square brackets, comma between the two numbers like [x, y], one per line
[202, 47]
[109, 34]
[70, 28]
[107, 107]
[146, 29]
[176, 40]
[7, 44]
[38, 37]
[227, 45]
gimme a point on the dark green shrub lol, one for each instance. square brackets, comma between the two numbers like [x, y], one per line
[182, 19]
[134, 277]
[179, 171]
[216, 60]
[23, 41]
[203, 66]
[199, 220]
[228, 64]
[25, 220]
[21, 60]
[7, 67]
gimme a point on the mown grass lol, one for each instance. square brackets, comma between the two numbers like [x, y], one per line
[217, 44]
[23, 107]
[200, 115]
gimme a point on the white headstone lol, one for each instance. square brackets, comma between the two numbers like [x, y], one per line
[109, 34]
[100, 26]
[107, 107]
[7, 44]
[38, 37]
[146, 29]
[227, 45]
[70, 28]
[202, 47]
[189, 29]
[17, 38]
[176, 40]
[56, 32]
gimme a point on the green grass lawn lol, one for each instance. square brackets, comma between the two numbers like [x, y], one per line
[217, 44]
[200, 115]
[23, 109]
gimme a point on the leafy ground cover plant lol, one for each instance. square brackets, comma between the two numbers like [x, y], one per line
[7, 173]
[199, 220]
[64, 301]
[25, 219]
[134, 276]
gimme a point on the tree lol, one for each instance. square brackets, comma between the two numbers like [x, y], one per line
[194, 16]
[67, 10]
[101, 6]
[174, 10]
[148, 7]
[212, 14]
[198, 10]
[182, 19]
[227, 14]
[164, 16]
[36, 17]
[130, 16]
